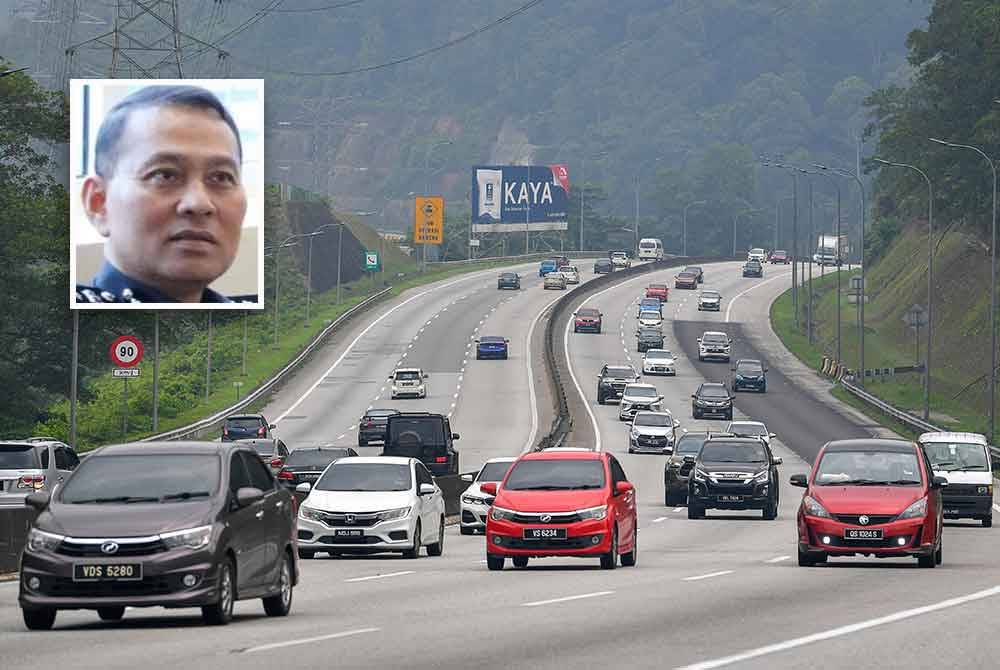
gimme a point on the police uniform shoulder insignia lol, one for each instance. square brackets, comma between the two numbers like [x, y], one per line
[98, 295]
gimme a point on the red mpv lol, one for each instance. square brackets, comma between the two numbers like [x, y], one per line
[874, 497]
[562, 502]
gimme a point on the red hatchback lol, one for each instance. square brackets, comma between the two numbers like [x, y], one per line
[562, 502]
[660, 291]
[874, 497]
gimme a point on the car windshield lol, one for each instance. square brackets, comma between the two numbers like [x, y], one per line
[650, 302]
[649, 314]
[18, 457]
[491, 339]
[407, 375]
[590, 313]
[380, 413]
[641, 391]
[838, 468]
[659, 354]
[620, 372]
[508, 275]
[714, 392]
[693, 269]
[713, 339]
[746, 429]
[365, 477]
[654, 420]
[709, 294]
[134, 478]
[244, 424]
[494, 472]
[753, 368]
[779, 252]
[618, 254]
[691, 443]
[556, 474]
[314, 458]
[686, 275]
[733, 452]
[956, 456]
[658, 287]
[570, 268]
[756, 251]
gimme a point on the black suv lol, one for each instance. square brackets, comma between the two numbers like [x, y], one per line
[749, 373]
[244, 426]
[372, 426]
[697, 270]
[612, 380]
[603, 266]
[424, 436]
[161, 524]
[753, 268]
[712, 398]
[734, 473]
[648, 338]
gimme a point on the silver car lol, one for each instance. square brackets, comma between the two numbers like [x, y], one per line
[555, 280]
[636, 398]
[653, 432]
[35, 464]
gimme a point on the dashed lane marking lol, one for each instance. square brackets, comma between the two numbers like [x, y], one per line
[385, 576]
[696, 578]
[659, 519]
[308, 640]
[777, 559]
[595, 594]
[678, 509]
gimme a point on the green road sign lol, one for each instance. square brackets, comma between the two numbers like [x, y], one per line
[371, 260]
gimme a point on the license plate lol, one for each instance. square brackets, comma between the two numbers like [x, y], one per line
[308, 478]
[952, 511]
[862, 533]
[348, 532]
[730, 498]
[107, 572]
[544, 533]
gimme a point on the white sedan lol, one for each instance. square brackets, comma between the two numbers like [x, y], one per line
[475, 504]
[659, 362]
[555, 280]
[650, 318]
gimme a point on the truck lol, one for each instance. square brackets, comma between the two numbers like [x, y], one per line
[831, 250]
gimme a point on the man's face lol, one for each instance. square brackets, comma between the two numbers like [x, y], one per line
[173, 207]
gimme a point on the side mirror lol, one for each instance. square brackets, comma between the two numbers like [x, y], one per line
[38, 500]
[390, 377]
[771, 435]
[798, 480]
[777, 460]
[694, 395]
[659, 398]
[426, 376]
[477, 341]
[489, 488]
[699, 340]
[277, 462]
[766, 369]
[426, 490]
[623, 487]
[506, 341]
[272, 425]
[939, 482]
[689, 459]
[248, 495]
[467, 478]
[455, 436]
[304, 487]
[677, 424]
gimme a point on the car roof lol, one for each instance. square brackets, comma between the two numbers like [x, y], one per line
[749, 360]
[711, 385]
[369, 460]
[714, 332]
[588, 310]
[642, 384]
[946, 437]
[24, 443]
[662, 412]
[389, 410]
[657, 351]
[246, 416]
[408, 370]
[320, 447]
[564, 453]
[870, 444]
[501, 459]
[747, 423]
[187, 447]
[649, 311]
[508, 274]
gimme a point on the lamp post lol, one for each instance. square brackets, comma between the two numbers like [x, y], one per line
[684, 225]
[277, 278]
[777, 218]
[636, 224]
[993, 282]
[750, 210]
[837, 186]
[340, 253]
[930, 277]
[795, 231]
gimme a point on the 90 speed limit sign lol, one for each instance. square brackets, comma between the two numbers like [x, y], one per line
[126, 351]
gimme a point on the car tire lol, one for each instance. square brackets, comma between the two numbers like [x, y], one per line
[629, 558]
[763, 388]
[600, 399]
[280, 604]
[494, 562]
[598, 331]
[111, 613]
[609, 561]
[695, 511]
[39, 618]
[939, 554]
[437, 548]
[806, 560]
[467, 531]
[668, 500]
[926, 561]
[575, 329]
[220, 612]
[362, 443]
[988, 521]
[505, 357]
[729, 415]
[695, 414]
[520, 561]
[306, 554]
[414, 551]
[478, 357]
[770, 512]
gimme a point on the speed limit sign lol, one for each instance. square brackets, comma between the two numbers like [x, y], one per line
[126, 351]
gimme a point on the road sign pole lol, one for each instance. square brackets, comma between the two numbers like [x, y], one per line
[124, 406]
[208, 359]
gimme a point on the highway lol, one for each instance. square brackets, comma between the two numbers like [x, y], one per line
[719, 592]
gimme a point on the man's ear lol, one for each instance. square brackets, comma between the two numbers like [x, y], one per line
[95, 197]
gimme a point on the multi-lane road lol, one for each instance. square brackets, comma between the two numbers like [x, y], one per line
[706, 593]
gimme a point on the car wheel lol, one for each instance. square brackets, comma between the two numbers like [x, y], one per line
[520, 561]
[729, 415]
[505, 357]
[280, 604]
[494, 562]
[600, 399]
[668, 500]
[111, 613]
[437, 548]
[696, 414]
[763, 389]
[221, 612]
[926, 561]
[414, 551]
[988, 521]
[695, 511]
[806, 560]
[629, 558]
[770, 512]
[939, 554]
[39, 618]
[609, 561]
[362, 443]
[478, 357]
[306, 553]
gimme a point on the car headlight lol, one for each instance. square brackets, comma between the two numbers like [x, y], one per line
[597, 513]
[309, 513]
[191, 538]
[39, 540]
[501, 514]
[987, 489]
[472, 500]
[700, 475]
[635, 434]
[390, 514]
[811, 507]
[739, 377]
[915, 511]
[761, 477]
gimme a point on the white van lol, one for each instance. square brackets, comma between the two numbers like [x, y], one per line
[964, 460]
[650, 249]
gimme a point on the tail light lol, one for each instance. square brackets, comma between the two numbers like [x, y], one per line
[277, 462]
[369, 424]
[286, 475]
[261, 431]
[225, 431]
[441, 459]
[31, 482]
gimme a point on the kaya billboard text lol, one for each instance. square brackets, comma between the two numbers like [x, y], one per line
[509, 198]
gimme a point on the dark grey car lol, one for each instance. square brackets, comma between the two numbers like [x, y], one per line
[170, 524]
[649, 338]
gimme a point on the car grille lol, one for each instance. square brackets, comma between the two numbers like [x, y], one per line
[69, 547]
[367, 539]
[873, 519]
[64, 587]
[652, 440]
[556, 517]
[547, 545]
[963, 490]
[340, 519]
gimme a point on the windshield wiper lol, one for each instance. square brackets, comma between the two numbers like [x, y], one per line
[852, 482]
[902, 482]
[116, 499]
[185, 495]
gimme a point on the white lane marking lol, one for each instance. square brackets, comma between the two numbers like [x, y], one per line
[567, 599]
[307, 640]
[841, 631]
[382, 390]
[659, 519]
[455, 396]
[422, 329]
[481, 322]
[369, 407]
[409, 346]
[678, 509]
[576, 382]
[385, 576]
[729, 307]
[446, 309]
[777, 559]
[453, 405]
[696, 578]
[352, 428]
[437, 315]
[360, 335]
[404, 354]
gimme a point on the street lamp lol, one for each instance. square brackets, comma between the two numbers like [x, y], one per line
[750, 210]
[993, 281]
[277, 277]
[427, 187]
[777, 217]
[7, 72]
[767, 162]
[684, 218]
[837, 186]
[930, 276]
[340, 254]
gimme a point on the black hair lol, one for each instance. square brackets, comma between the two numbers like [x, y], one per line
[113, 126]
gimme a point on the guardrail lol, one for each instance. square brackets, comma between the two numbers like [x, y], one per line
[526, 258]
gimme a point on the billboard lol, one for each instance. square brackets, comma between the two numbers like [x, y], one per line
[510, 198]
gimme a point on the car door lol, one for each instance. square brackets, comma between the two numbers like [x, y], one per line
[270, 518]
[426, 503]
[243, 524]
[625, 508]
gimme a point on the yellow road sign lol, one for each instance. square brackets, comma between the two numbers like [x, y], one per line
[428, 220]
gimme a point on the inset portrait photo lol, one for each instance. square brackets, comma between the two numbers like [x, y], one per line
[167, 194]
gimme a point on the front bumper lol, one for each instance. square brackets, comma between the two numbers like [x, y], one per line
[967, 506]
[650, 445]
[659, 369]
[814, 531]
[474, 516]
[409, 391]
[394, 535]
[709, 306]
[583, 538]
[508, 285]
[714, 410]
[711, 495]
[705, 354]
[754, 384]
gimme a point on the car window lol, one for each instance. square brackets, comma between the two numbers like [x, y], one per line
[260, 477]
[745, 366]
[423, 476]
[407, 375]
[248, 423]
[72, 459]
[714, 392]
[690, 444]
[838, 468]
[617, 473]
[238, 477]
[655, 420]
[555, 475]
[346, 476]
[20, 457]
[956, 456]
[620, 372]
[142, 478]
[734, 452]
[282, 449]
[494, 472]
[641, 391]
[61, 462]
[415, 432]
[263, 447]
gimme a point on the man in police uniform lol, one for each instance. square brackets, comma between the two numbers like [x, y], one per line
[168, 196]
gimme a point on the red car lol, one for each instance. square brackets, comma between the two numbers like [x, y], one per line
[874, 497]
[658, 291]
[562, 502]
[780, 256]
[587, 318]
